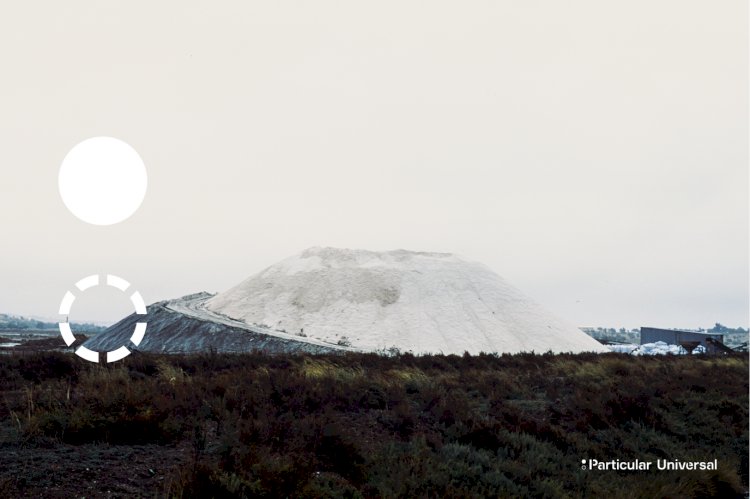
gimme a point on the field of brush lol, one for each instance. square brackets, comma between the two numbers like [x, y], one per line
[363, 425]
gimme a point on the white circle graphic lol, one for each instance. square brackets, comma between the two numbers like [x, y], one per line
[116, 282]
[102, 180]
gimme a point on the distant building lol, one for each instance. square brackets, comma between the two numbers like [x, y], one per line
[689, 340]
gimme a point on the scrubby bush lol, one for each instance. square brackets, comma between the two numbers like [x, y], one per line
[365, 425]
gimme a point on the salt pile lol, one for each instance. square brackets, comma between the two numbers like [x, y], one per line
[420, 302]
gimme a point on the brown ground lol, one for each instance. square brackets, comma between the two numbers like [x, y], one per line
[91, 470]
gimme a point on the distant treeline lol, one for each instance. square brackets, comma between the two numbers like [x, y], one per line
[17, 323]
[732, 336]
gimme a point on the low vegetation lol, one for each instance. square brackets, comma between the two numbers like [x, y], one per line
[361, 425]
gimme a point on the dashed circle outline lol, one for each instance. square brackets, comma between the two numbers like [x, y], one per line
[90, 282]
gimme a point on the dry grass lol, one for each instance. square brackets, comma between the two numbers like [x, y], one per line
[371, 426]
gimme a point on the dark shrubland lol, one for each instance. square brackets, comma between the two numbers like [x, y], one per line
[364, 425]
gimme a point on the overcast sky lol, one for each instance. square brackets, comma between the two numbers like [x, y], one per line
[595, 154]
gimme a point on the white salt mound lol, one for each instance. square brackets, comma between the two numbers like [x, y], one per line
[423, 302]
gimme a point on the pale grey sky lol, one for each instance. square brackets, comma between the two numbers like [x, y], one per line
[593, 153]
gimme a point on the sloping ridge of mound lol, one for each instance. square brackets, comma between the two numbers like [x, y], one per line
[173, 331]
[423, 302]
